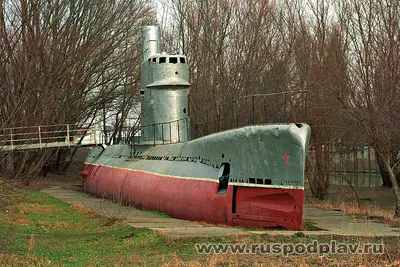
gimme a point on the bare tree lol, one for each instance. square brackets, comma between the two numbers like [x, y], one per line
[374, 77]
[319, 66]
[62, 61]
[235, 48]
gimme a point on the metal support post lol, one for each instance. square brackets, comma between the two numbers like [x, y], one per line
[68, 135]
[40, 138]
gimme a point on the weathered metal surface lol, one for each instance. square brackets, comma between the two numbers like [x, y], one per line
[196, 199]
[164, 92]
[252, 152]
[151, 41]
[264, 185]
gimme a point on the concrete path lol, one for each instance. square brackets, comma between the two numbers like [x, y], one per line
[332, 222]
[139, 218]
[338, 223]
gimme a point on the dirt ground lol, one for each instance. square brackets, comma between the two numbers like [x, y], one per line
[71, 176]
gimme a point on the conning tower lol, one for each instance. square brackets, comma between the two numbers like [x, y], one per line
[164, 92]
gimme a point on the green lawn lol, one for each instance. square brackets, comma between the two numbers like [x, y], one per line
[37, 229]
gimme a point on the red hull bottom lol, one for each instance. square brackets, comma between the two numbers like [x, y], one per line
[197, 199]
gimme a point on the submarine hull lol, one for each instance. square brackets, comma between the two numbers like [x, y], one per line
[262, 171]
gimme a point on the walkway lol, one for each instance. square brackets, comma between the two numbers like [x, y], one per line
[49, 136]
[138, 218]
[333, 222]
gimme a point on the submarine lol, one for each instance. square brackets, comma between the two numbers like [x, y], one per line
[250, 176]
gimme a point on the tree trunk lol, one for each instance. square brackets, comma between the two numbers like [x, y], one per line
[318, 172]
[10, 164]
[395, 186]
[383, 170]
[61, 159]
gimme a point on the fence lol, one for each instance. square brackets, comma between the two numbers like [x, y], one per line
[252, 109]
[354, 164]
[248, 110]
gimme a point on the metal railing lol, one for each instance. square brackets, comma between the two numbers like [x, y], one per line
[249, 110]
[252, 109]
[48, 136]
[170, 132]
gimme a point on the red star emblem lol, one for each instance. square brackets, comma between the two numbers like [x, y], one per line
[285, 158]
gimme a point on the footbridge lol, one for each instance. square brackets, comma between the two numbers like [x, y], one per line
[252, 109]
[49, 136]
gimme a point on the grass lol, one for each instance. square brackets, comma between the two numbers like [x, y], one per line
[159, 213]
[39, 230]
[310, 226]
